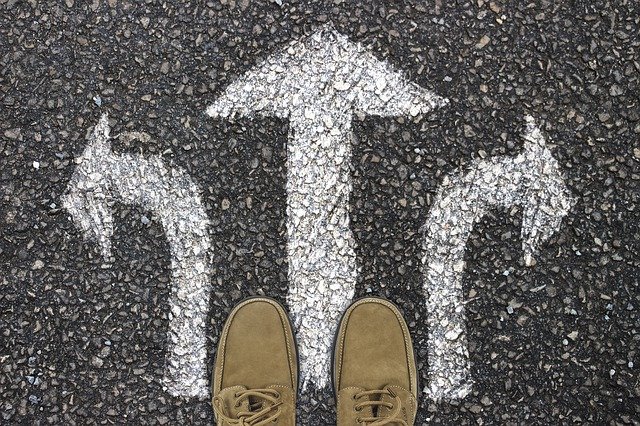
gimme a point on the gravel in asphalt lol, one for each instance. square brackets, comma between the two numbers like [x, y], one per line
[84, 342]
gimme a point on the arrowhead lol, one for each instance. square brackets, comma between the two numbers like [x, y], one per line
[548, 198]
[87, 192]
[324, 69]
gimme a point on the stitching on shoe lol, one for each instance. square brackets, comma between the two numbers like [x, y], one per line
[223, 341]
[412, 401]
[292, 397]
[338, 397]
[395, 310]
[225, 333]
[407, 339]
[285, 329]
[237, 387]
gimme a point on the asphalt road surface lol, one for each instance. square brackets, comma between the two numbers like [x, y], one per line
[551, 338]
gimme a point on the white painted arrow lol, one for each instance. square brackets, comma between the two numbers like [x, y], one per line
[100, 178]
[531, 180]
[317, 82]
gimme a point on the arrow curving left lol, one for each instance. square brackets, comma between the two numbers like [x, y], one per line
[102, 177]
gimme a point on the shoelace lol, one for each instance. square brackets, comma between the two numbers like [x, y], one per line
[261, 412]
[394, 417]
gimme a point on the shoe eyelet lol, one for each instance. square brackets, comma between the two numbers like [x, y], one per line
[236, 395]
[358, 408]
[354, 397]
[277, 395]
[358, 420]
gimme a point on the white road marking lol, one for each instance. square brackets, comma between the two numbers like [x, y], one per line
[100, 178]
[531, 180]
[317, 83]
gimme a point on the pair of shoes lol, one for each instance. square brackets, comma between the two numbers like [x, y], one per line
[255, 378]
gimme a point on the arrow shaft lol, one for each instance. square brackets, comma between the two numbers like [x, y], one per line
[459, 205]
[175, 199]
[322, 263]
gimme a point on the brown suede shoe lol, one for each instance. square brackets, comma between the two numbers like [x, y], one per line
[374, 368]
[255, 379]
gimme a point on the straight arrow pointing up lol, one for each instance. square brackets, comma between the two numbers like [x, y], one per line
[317, 83]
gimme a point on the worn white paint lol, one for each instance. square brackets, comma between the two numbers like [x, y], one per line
[102, 177]
[317, 83]
[531, 180]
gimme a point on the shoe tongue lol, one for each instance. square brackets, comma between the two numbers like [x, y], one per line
[365, 411]
[227, 396]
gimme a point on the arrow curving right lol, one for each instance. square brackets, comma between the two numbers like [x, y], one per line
[318, 82]
[531, 180]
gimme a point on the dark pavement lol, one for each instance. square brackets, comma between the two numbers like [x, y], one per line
[554, 343]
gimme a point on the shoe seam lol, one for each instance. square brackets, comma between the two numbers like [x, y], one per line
[341, 397]
[412, 400]
[292, 399]
[238, 387]
[225, 333]
[394, 309]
